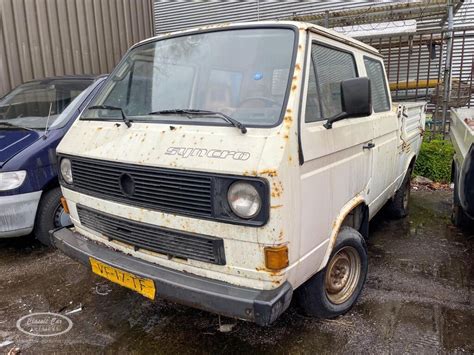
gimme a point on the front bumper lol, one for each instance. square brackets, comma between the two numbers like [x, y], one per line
[17, 214]
[260, 306]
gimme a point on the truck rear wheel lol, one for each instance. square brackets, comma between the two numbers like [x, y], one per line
[50, 215]
[458, 217]
[397, 207]
[335, 289]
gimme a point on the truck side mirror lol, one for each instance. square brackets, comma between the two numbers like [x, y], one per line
[356, 100]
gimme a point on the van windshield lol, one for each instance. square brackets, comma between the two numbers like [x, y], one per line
[242, 73]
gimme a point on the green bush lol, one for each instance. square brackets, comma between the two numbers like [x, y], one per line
[434, 161]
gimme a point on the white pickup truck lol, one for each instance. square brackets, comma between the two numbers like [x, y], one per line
[228, 166]
[462, 136]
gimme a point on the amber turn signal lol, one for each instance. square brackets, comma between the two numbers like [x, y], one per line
[276, 258]
[64, 204]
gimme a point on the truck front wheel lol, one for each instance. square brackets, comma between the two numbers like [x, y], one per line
[335, 289]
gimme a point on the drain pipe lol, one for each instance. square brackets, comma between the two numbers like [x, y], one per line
[448, 65]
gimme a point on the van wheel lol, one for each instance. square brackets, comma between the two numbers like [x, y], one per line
[335, 289]
[397, 207]
[50, 215]
[458, 217]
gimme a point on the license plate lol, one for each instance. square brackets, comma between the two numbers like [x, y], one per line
[145, 287]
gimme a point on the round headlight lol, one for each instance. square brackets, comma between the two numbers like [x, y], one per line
[244, 199]
[66, 171]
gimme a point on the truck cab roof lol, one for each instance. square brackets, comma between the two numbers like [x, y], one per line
[302, 26]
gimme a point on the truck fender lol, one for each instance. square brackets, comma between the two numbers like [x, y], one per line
[409, 165]
[337, 224]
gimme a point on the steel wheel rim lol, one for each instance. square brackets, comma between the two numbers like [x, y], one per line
[342, 275]
[61, 218]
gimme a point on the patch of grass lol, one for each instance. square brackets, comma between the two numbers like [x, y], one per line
[434, 160]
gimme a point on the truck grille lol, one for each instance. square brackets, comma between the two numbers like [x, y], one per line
[161, 240]
[160, 189]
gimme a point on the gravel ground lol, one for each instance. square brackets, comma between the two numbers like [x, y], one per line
[418, 298]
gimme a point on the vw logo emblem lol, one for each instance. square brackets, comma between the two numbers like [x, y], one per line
[127, 184]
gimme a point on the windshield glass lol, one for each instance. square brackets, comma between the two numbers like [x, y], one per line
[29, 105]
[241, 73]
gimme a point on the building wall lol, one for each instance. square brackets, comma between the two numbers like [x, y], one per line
[42, 38]
[178, 15]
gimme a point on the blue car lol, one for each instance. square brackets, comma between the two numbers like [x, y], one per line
[34, 117]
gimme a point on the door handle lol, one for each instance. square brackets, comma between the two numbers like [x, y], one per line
[368, 146]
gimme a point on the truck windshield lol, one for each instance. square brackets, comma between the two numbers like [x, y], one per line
[241, 73]
[29, 105]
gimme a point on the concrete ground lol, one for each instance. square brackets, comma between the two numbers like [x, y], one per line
[419, 298]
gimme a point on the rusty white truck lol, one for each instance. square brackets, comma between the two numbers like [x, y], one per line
[462, 136]
[232, 167]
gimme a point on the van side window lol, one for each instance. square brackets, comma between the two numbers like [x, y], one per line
[332, 66]
[313, 107]
[380, 101]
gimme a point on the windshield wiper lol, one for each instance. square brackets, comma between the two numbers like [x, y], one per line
[190, 112]
[112, 108]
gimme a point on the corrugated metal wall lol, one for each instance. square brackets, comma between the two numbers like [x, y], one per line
[178, 15]
[41, 38]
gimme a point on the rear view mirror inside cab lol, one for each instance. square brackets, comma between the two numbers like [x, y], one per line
[355, 100]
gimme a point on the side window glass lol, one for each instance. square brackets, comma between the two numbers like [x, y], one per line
[380, 101]
[332, 67]
[313, 108]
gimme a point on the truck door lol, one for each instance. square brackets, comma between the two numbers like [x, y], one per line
[385, 151]
[335, 166]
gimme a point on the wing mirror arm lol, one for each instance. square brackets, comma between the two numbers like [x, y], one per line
[338, 117]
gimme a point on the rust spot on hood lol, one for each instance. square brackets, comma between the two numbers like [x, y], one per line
[269, 172]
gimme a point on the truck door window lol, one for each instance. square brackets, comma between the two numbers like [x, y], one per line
[331, 66]
[313, 107]
[380, 101]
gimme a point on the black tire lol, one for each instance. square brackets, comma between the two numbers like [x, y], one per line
[398, 207]
[458, 217]
[315, 296]
[46, 216]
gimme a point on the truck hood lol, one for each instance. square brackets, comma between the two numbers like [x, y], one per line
[220, 149]
[13, 141]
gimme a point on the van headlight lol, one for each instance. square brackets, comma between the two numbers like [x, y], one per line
[11, 180]
[244, 199]
[66, 171]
